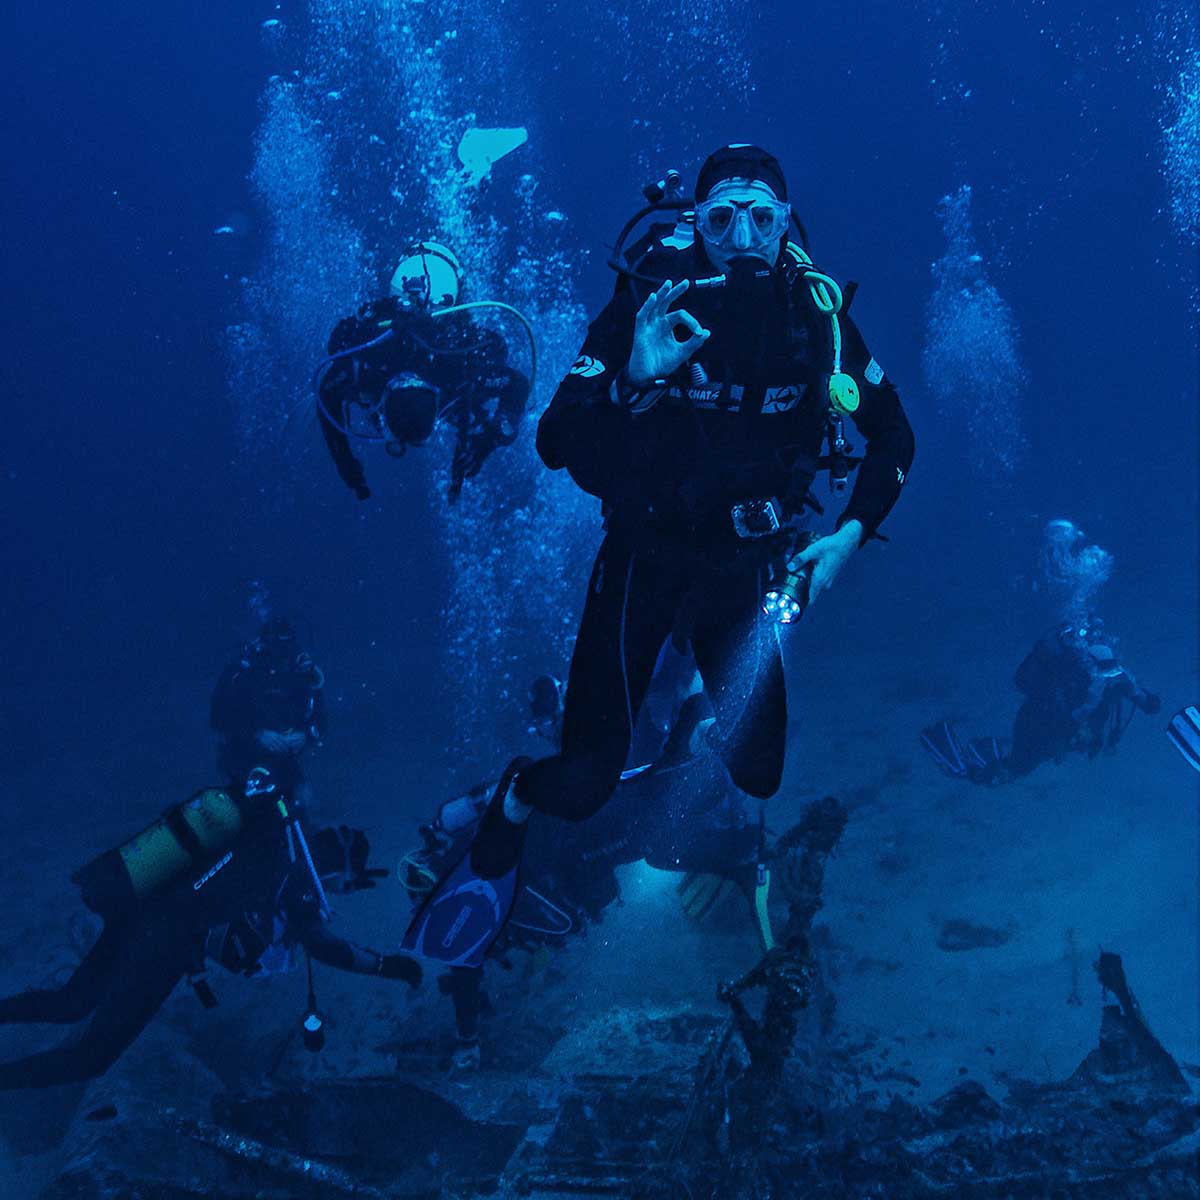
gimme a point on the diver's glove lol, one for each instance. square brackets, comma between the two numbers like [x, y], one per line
[657, 352]
[400, 966]
[1148, 702]
[362, 491]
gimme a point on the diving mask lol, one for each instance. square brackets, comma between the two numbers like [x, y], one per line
[755, 221]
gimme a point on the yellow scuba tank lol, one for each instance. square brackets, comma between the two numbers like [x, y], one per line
[188, 838]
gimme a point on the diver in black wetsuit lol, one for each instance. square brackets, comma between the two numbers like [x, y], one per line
[268, 708]
[682, 420]
[1078, 699]
[701, 431]
[245, 905]
[399, 368]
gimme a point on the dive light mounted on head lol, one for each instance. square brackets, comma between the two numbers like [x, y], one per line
[665, 191]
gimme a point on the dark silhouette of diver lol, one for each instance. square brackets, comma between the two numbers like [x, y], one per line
[1078, 699]
[181, 895]
[414, 360]
[268, 708]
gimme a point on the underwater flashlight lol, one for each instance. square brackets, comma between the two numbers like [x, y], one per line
[786, 600]
[786, 603]
[312, 1032]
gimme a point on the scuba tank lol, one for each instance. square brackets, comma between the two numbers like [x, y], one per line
[190, 838]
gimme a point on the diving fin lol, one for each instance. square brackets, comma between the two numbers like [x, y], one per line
[1184, 732]
[467, 910]
[986, 757]
[944, 747]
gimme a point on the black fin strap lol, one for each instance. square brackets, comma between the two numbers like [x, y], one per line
[185, 834]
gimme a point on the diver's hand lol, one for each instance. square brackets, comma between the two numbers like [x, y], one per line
[656, 352]
[1148, 702]
[400, 966]
[827, 556]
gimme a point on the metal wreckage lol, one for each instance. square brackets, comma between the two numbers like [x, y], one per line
[654, 1104]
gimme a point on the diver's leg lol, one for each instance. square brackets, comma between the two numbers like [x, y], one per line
[630, 609]
[150, 964]
[1038, 737]
[464, 985]
[77, 997]
[737, 651]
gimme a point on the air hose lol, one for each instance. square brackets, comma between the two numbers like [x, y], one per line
[827, 298]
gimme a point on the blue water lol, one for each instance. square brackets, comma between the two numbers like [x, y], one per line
[193, 198]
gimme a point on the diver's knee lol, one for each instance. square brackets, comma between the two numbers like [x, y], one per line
[590, 784]
[757, 779]
[570, 786]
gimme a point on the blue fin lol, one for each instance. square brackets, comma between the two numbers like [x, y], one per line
[985, 753]
[1184, 732]
[461, 917]
[943, 745]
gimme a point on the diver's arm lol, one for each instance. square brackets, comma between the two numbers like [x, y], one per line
[503, 393]
[1128, 688]
[376, 320]
[585, 429]
[882, 422]
[511, 401]
[338, 444]
[326, 947]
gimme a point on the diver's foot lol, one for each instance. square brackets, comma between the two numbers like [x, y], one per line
[499, 841]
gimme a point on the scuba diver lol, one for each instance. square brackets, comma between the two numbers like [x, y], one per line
[1078, 696]
[413, 360]
[229, 877]
[700, 429]
[1078, 699]
[268, 707]
[677, 813]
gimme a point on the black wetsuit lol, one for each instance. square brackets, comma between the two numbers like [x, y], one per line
[260, 902]
[257, 694]
[462, 366]
[671, 561]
